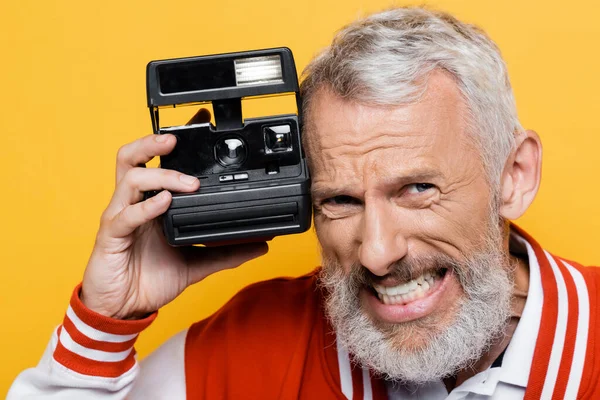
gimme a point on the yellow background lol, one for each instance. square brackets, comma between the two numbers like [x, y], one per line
[72, 90]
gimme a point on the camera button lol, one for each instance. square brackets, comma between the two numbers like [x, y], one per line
[241, 177]
[225, 178]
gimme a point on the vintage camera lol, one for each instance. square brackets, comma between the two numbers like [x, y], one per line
[254, 182]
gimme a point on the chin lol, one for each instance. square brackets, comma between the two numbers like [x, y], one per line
[416, 335]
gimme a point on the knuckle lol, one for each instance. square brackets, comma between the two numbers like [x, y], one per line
[145, 207]
[126, 213]
[105, 221]
[132, 176]
[171, 174]
[163, 176]
[145, 211]
[128, 218]
[104, 217]
[122, 153]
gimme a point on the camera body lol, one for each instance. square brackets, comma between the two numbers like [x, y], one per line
[254, 181]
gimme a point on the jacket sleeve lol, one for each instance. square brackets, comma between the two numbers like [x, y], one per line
[91, 356]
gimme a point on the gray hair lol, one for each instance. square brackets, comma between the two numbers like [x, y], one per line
[385, 59]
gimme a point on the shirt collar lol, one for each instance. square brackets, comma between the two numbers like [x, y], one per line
[519, 353]
[518, 356]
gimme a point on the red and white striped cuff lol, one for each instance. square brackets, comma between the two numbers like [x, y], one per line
[93, 344]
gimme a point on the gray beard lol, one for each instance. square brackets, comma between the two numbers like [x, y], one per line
[391, 350]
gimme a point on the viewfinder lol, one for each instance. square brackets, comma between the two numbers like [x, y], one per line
[278, 139]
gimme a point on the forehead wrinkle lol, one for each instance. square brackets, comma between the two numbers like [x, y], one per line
[358, 117]
[354, 154]
[368, 145]
[440, 88]
[357, 123]
[390, 154]
[409, 138]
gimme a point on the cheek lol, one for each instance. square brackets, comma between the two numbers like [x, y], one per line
[435, 233]
[458, 226]
[338, 238]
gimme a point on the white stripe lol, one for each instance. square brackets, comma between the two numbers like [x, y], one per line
[368, 392]
[96, 355]
[559, 335]
[516, 365]
[94, 333]
[345, 371]
[581, 339]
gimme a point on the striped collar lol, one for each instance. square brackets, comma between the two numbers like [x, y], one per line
[516, 364]
[557, 367]
[547, 352]
[518, 356]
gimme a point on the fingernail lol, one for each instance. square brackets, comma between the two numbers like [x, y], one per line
[161, 138]
[188, 180]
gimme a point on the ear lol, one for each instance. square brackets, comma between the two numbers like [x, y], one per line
[521, 176]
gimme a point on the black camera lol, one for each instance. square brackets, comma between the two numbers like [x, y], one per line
[254, 181]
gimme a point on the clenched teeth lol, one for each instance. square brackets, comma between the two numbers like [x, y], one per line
[407, 292]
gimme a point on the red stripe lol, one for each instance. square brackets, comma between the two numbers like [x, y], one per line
[545, 339]
[570, 335]
[328, 344]
[106, 324]
[89, 343]
[357, 382]
[85, 366]
[589, 377]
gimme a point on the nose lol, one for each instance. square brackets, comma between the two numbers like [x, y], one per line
[382, 242]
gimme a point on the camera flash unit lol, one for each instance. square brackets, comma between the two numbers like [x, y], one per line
[258, 70]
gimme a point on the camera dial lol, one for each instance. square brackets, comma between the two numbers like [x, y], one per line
[230, 151]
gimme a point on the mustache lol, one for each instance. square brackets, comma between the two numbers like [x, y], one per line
[402, 270]
[470, 272]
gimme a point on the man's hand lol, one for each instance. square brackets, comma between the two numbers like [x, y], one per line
[133, 271]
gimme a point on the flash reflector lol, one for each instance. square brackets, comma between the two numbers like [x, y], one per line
[255, 70]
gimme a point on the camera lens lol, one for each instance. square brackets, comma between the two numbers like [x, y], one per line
[277, 138]
[230, 151]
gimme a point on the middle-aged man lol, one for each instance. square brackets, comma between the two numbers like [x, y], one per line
[427, 291]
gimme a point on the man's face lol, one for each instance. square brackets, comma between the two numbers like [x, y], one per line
[403, 210]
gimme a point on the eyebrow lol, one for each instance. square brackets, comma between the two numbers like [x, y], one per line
[328, 192]
[321, 191]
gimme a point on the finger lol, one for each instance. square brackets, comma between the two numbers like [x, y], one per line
[134, 216]
[141, 151]
[201, 117]
[136, 181]
[205, 261]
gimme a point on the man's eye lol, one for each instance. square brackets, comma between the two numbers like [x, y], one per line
[417, 188]
[341, 200]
